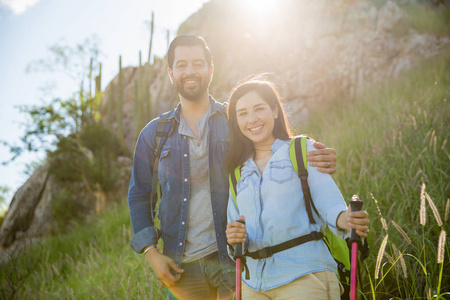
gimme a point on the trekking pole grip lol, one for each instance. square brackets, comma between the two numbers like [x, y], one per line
[355, 205]
[238, 247]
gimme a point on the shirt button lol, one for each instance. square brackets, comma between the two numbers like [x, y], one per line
[185, 180]
[185, 155]
[181, 244]
[182, 223]
[185, 199]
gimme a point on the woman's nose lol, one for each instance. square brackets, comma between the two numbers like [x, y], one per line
[252, 118]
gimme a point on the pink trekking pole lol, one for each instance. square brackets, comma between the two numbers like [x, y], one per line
[240, 260]
[355, 241]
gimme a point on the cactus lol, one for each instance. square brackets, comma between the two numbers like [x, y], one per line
[119, 106]
[137, 124]
[151, 38]
[96, 107]
[98, 80]
[110, 105]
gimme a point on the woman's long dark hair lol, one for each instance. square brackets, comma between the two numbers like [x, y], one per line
[241, 148]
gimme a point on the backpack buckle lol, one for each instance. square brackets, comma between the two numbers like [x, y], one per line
[316, 235]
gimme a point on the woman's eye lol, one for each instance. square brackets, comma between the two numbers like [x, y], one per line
[242, 114]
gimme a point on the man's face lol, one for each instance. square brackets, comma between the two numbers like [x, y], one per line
[190, 72]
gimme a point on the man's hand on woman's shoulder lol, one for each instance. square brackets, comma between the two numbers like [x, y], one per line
[324, 158]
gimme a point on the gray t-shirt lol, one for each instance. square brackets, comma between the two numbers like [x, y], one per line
[200, 236]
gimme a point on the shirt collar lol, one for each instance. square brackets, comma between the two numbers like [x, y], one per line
[214, 107]
[250, 165]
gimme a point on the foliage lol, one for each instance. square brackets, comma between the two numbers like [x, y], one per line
[49, 122]
[74, 62]
[89, 158]
[4, 193]
[84, 162]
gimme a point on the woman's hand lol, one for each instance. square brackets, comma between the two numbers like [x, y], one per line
[236, 232]
[358, 220]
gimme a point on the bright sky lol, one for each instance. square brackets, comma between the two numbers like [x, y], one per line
[29, 27]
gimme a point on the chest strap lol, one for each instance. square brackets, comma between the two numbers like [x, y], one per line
[269, 251]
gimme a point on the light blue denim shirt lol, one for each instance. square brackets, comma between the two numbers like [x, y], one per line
[274, 210]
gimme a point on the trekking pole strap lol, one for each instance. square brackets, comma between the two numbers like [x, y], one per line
[269, 251]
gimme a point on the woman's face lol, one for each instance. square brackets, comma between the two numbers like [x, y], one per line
[256, 119]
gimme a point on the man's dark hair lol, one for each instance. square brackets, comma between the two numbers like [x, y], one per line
[189, 40]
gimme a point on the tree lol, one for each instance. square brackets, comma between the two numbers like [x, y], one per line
[48, 123]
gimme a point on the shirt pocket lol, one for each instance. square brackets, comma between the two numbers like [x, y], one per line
[281, 171]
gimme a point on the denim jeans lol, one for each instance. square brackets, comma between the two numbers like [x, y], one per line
[204, 279]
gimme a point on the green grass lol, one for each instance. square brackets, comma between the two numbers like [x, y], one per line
[93, 261]
[390, 141]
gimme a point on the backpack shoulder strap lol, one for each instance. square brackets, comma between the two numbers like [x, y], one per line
[234, 178]
[164, 130]
[297, 154]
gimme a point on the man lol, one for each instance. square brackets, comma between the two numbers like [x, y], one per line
[194, 184]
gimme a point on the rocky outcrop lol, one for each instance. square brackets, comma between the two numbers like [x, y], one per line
[32, 215]
[22, 208]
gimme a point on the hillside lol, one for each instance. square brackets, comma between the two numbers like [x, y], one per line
[391, 141]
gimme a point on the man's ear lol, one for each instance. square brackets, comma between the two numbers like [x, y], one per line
[169, 70]
[211, 72]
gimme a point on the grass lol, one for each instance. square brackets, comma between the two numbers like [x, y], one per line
[93, 261]
[392, 146]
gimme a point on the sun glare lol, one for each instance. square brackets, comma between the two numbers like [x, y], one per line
[259, 7]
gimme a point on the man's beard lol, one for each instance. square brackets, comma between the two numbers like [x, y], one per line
[192, 94]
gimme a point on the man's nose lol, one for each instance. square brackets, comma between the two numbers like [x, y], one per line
[190, 69]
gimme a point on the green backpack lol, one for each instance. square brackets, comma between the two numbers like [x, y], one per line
[338, 247]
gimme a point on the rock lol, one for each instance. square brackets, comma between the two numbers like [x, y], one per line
[21, 212]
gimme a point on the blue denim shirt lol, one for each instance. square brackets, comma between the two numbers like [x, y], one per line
[174, 177]
[274, 210]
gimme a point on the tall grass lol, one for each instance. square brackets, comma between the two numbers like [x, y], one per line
[393, 150]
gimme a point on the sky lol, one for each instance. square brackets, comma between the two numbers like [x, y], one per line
[29, 27]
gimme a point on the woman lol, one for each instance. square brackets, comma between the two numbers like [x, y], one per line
[270, 200]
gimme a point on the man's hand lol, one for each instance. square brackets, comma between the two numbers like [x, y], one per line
[161, 265]
[324, 158]
[236, 232]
